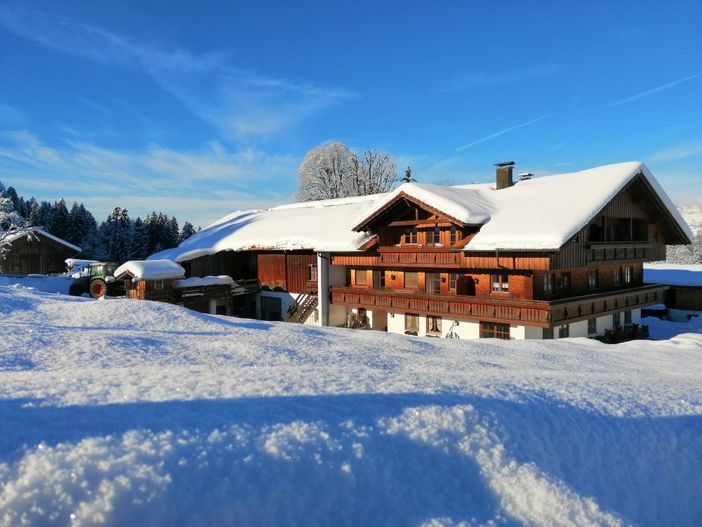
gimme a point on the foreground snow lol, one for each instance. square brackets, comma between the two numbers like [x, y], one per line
[121, 412]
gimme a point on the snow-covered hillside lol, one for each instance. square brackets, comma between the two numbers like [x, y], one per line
[121, 412]
[693, 216]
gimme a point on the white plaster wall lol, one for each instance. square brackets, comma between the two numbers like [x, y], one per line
[604, 323]
[578, 329]
[396, 323]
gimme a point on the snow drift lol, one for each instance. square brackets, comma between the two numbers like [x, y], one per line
[121, 412]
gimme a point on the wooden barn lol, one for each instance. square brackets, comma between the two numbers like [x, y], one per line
[684, 296]
[40, 253]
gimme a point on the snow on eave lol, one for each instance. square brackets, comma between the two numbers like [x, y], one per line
[42, 232]
[138, 270]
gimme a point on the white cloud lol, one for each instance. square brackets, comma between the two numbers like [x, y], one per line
[198, 186]
[502, 132]
[654, 90]
[677, 152]
[240, 104]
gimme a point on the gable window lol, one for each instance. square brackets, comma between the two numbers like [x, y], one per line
[433, 325]
[411, 324]
[411, 279]
[432, 283]
[494, 330]
[549, 280]
[500, 283]
[411, 236]
[455, 235]
[628, 275]
[593, 279]
[433, 237]
[361, 277]
[617, 276]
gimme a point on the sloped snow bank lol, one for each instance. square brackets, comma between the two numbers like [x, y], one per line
[135, 413]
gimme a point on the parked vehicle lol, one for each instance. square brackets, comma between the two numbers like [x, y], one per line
[98, 282]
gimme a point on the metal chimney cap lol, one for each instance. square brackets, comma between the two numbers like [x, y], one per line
[505, 164]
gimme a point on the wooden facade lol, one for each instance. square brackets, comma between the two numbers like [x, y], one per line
[418, 264]
[294, 272]
[41, 254]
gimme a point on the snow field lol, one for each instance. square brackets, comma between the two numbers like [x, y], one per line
[121, 412]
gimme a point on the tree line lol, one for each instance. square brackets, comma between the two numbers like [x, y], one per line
[117, 239]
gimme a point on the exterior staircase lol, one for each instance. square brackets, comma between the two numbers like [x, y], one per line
[303, 307]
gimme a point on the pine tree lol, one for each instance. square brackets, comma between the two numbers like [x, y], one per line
[187, 232]
[139, 249]
[115, 236]
[60, 219]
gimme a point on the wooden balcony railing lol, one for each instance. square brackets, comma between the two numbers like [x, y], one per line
[541, 313]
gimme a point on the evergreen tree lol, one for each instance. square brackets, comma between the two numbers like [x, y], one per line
[408, 177]
[60, 219]
[187, 232]
[44, 215]
[139, 249]
[116, 231]
[33, 216]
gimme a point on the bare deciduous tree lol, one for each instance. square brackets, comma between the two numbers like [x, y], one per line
[12, 226]
[334, 171]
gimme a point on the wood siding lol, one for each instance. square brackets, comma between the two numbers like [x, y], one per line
[272, 271]
[40, 255]
[287, 271]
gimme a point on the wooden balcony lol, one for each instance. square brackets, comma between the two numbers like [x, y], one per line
[541, 313]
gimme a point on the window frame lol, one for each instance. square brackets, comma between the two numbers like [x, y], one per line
[593, 279]
[494, 330]
[549, 284]
[627, 275]
[416, 279]
[617, 277]
[413, 328]
[433, 325]
[502, 283]
[435, 280]
[411, 236]
[363, 273]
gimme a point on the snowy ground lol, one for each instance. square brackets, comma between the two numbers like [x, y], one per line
[121, 412]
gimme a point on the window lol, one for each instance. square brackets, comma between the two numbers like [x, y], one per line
[411, 280]
[593, 279]
[627, 317]
[432, 283]
[617, 276]
[500, 283]
[494, 330]
[157, 285]
[548, 333]
[433, 325]
[564, 283]
[378, 279]
[455, 235]
[361, 277]
[627, 275]
[617, 320]
[433, 237]
[563, 331]
[410, 236]
[312, 273]
[411, 324]
[591, 326]
[549, 280]
[452, 281]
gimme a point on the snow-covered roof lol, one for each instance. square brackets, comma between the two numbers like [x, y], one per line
[316, 225]
[673, 274]
[536, 214]
[195, 281]
[541, 213]
[42, 232]
[150, 270]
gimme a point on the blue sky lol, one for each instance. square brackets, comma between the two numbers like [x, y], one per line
[201, 108]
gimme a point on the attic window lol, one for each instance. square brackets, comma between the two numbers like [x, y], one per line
[455, 235]
[411, 236]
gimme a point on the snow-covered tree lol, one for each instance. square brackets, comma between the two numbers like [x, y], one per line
[12, 225]
[334, 171]
[140, 241]
[116, 235]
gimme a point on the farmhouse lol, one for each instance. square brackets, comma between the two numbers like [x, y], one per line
[544, 257]
[38, 253]
[683, 299]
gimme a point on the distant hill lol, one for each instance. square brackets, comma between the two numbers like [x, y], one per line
[688, 254]
[693, 216]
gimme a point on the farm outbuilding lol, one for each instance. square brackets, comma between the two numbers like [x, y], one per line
[39, 252]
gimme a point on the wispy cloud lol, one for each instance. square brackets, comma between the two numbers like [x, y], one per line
[178, 182]
[654, 90]
[678, 152]
[502, 132]
[479, 79]
[11, 115]
[241, 104]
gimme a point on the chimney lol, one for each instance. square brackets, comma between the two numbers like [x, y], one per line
[525, 175]
[503, 174]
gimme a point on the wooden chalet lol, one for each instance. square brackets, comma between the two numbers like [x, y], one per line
[545, 257]
[38, 253]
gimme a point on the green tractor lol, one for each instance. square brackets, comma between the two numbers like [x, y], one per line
[99, 281]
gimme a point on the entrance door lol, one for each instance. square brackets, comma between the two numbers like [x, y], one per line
[465, 285]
